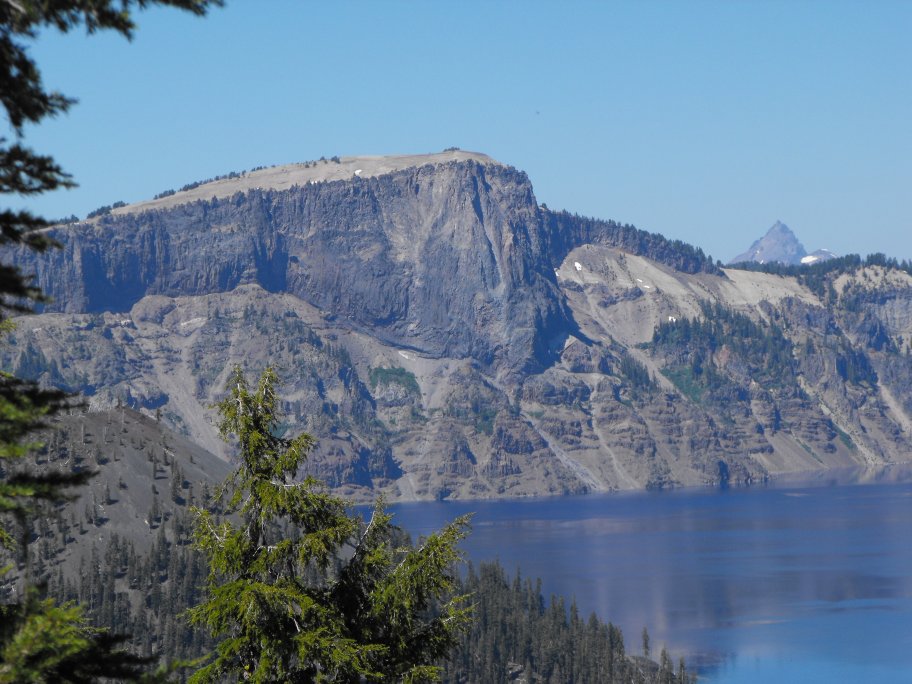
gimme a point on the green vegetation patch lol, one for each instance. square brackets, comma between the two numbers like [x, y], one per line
[760, 349]
[484, 420]
[395, 375]
[683, 378]
[844, 437]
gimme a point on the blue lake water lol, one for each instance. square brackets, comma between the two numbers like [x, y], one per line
[786, 583]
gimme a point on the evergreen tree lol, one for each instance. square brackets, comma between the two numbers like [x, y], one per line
[54, 643]
[301, 591]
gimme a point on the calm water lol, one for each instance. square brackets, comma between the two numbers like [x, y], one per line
[779, 584]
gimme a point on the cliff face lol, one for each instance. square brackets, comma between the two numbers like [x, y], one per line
[448, 260]
[444, 336]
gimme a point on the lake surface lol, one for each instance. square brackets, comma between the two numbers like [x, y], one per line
[785, 583]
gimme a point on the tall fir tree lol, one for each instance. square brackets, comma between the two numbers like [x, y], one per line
[299, 589]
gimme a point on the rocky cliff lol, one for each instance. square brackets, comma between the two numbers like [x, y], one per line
[447, 259]
[443, 335]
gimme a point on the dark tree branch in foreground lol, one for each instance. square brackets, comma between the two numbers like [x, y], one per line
[41, 641]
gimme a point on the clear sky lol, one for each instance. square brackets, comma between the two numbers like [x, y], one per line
[703, 121]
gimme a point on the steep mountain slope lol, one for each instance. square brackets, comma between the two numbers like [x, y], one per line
[122, 546]
[146, 479]
[443, 335]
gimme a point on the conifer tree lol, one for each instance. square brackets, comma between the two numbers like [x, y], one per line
[299, 589]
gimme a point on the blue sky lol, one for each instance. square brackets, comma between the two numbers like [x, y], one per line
[704, 121]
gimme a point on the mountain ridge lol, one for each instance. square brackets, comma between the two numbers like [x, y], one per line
[286, 176]
[445, 336]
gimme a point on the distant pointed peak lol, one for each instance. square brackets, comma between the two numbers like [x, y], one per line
[779, 244]
[780, 227]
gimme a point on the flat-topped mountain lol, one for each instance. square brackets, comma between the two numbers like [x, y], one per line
[287, 176]
[444, 335]
[449, 259]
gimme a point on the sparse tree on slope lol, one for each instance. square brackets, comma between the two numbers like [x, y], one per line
[300, 590]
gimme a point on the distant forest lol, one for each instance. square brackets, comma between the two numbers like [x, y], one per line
[573, 229]
[817, 276]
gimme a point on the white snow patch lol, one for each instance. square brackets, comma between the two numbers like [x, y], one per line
[578, 266]
[639, 280]
[648, 287]
[672, 319]
[357, 172]
[405, 356]
[193, 321]
[809, 259]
